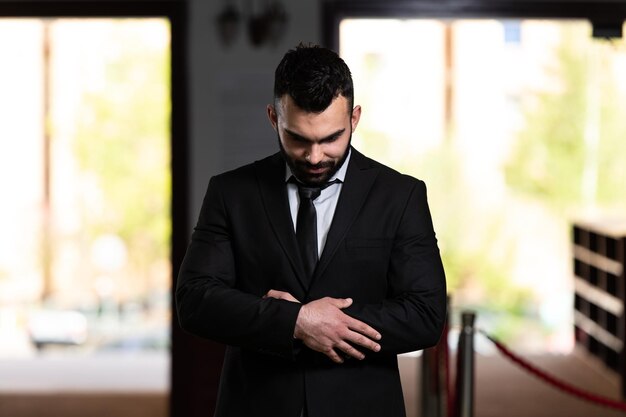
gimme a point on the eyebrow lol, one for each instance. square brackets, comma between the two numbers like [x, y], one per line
[327, 138]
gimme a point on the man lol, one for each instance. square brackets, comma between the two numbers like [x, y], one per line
[307, 336]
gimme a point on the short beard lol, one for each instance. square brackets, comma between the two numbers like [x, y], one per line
[297, 167]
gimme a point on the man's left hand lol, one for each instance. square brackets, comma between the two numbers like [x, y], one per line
[281, 295]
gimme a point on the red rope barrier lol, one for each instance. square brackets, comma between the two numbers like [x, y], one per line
[585, 395]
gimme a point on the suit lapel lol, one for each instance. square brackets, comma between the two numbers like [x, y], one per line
[271, 178]
[360, 176]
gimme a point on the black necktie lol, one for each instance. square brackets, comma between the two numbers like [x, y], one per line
[306, 225]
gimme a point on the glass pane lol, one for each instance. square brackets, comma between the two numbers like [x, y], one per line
[516, 128]
[85, 271]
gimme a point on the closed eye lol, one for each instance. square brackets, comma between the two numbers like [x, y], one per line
[331, 139]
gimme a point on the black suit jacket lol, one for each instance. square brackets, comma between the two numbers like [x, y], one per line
[381, 251]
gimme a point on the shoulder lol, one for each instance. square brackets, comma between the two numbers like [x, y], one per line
[250, 173]
[386, 176]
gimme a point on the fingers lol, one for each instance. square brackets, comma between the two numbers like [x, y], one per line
[323, 327]
[354, 324]
[360, 334]
[348, 351]
[332, 354]
[281, 295]
[351, 351]
[363, 328]
[360, 340]
[340, 302]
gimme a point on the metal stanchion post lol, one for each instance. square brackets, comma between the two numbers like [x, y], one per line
[464, 404]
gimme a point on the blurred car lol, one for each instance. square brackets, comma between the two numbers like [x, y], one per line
[57, 327]
[145, 340]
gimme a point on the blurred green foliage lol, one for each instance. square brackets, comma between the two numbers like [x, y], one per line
[570, 151]
[123, 143]
[477, 257]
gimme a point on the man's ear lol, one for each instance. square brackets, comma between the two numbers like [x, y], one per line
[272, 116]
[356, 116]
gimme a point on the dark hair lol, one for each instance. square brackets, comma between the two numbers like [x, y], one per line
[313, 76]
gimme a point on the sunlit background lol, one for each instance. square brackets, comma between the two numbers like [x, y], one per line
[517, 128]
[85, 247]
[514, 125]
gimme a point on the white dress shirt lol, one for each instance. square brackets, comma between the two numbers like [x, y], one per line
[325, 204]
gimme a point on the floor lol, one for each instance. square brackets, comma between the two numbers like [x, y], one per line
[505, 390]
[84, 404]
[127, 385]
[502, 389]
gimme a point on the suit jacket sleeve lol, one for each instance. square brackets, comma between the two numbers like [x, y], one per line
[413, 314]
[208, 302]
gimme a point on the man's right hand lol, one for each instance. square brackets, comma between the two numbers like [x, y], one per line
[323, 327]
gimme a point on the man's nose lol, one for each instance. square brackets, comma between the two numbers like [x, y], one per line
[315, 155]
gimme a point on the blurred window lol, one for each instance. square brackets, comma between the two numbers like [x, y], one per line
[86, 183]
[517, 127]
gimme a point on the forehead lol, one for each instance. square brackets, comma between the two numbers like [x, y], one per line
[292, 117]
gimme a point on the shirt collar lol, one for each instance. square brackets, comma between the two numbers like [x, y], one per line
[340, 174]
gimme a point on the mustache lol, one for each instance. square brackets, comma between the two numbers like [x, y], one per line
[322, 164]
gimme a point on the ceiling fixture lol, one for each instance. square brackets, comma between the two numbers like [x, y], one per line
[264, 25]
